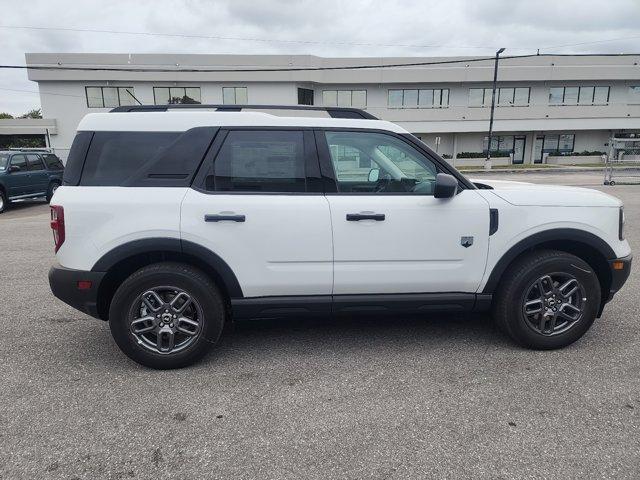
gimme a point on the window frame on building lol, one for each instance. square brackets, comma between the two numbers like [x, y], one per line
[305, 96]
[117, 88]
[343, 93]
[419, 94]
[157, 88]
[500, 91]
[634, 94]
[235, 95]
[595, 89]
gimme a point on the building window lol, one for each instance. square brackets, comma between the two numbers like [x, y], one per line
[505, 97]
[305, 96]
[634, 94]
[422, 98]
[344, 98]
[561, 144]
[235, 96]
[109, 97]
[588, 95]
[173, 95]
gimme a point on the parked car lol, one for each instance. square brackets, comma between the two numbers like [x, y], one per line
[173, 220]
[28, 174]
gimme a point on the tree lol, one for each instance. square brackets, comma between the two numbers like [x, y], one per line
[4, 115]
[35, 113]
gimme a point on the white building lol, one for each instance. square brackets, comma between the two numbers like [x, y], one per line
[546, 105]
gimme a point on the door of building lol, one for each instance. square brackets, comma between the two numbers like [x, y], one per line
[518, 149]
[537, 149]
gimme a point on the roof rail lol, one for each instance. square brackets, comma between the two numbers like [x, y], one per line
[334, 112]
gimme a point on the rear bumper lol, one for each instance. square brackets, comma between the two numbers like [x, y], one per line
[64, 283]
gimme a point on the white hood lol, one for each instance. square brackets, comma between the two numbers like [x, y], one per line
[529, 194]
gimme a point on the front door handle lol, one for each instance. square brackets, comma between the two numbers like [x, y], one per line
[224, 218]
[356, 217]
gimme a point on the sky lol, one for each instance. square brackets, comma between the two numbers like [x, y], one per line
[330, 28]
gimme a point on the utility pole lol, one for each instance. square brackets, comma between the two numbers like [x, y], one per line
[487, 163]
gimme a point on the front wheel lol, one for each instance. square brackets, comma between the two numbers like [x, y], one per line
[167, 315]
[3, 201]
[547, 299]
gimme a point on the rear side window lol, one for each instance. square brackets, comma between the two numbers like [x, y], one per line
[260, 161]
[35, 162]
[53, 162]
[75, 160]
[114, 157]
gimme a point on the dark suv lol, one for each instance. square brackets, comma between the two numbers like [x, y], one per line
[28, 174]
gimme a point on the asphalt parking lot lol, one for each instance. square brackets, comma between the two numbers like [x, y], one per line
[438, 397]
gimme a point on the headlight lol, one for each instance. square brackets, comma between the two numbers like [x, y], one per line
[621, 224]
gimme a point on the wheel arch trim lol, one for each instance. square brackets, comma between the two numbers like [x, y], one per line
[173, 245]
[556, 234]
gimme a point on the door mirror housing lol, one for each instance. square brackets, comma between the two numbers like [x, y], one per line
[374, 175]
[446, 186]
[14, 168]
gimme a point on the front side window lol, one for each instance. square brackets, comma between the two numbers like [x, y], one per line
[109, 97]
[19, 161]
[176, 95]
[260, 161]
[368, 162]
[344, 98]
[235, 96]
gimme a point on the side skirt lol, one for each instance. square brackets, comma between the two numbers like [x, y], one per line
[379, 304]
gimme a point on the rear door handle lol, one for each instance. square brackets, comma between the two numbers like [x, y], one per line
[356, 217]
[224, 218]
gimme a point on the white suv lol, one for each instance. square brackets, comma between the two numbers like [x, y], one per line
[172, 220]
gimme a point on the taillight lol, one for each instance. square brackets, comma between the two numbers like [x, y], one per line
[57, 225]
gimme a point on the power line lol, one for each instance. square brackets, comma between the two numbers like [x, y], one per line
[248, 70]
[591, 43]
[247, 39]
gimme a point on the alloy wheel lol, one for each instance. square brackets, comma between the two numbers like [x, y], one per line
[166, 320]
[554, 303]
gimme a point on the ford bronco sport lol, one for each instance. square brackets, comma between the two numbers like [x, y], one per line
[173, 219]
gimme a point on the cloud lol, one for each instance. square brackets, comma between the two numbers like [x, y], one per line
[450, 28]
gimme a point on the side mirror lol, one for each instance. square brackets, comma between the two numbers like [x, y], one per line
[446, 186]
[374, 175]
[14, 168]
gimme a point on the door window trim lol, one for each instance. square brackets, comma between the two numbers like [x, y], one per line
[329, 175]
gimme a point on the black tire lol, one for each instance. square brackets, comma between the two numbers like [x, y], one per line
[520, 280]
[126, 305]
[4, 201]
[51, 190]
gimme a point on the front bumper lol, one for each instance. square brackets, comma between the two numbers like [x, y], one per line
[620, 269]
[66, 285]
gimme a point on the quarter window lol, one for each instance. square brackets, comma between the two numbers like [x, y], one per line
[174, 95]
[418, 98]
[260, 161]
[377, 163]
[235, 96]
[53, 162]
[344, 98]
[109, 97]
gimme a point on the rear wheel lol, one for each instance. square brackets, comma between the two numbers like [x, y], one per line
[547, 299]
[3, 201]
[166, 315]
[53, 186]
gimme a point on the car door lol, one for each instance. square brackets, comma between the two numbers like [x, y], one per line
[39, 178]
[18, 181]
[258, 204]
[390, 234]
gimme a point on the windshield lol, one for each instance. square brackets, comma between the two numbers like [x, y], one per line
[4, 158]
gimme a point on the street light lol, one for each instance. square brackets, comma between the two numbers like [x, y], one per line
[487, 163]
